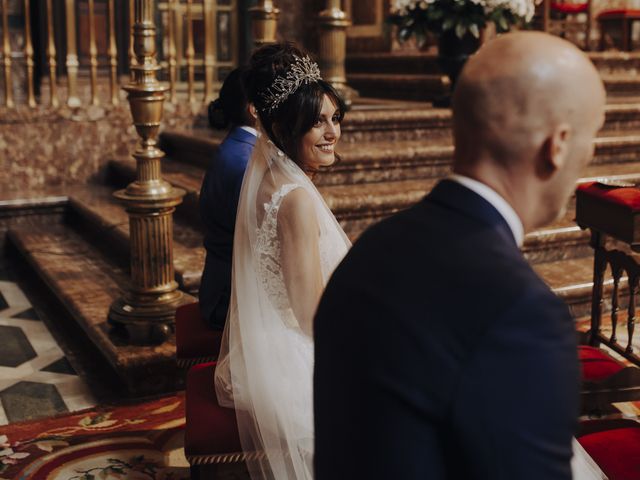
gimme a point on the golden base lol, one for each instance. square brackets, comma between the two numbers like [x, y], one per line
[145, 323]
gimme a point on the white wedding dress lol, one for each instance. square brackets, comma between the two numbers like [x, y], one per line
[265, 368]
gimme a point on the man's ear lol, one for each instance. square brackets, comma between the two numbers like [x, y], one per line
[252, 111]
[555, 152]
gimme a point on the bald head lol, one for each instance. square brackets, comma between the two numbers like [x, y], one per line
[516, 89]
[521, 104]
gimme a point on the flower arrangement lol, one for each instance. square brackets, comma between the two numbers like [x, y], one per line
[417, 17]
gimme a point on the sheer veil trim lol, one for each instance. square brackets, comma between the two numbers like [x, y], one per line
[265, 367]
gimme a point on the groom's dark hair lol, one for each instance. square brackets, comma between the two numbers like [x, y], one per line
[286, 124]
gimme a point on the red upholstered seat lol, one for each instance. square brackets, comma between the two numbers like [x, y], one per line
[196, 342]
[596, 364]
[628, 197]
[616, 450]
[211, 430]
[569, 8]
[622, 12]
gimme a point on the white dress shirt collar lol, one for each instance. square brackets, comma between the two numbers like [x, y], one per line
[499, 203]
[249, 129]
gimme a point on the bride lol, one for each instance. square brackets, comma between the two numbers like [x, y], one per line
[286, 245]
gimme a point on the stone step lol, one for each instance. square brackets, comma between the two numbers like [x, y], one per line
[86, 281]
[426, 62]
[572, 281]
[427, 87]
[95, 209]
[616, 62]
[424, 87]
[389, 161]
[412, 159]
[357, 206]
[621, 84]
[376, 123]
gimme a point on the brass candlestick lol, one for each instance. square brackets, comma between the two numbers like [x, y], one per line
[264, 22]
[147, 309]
[333, 23]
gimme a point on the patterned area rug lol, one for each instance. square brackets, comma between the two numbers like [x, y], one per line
[142, 441]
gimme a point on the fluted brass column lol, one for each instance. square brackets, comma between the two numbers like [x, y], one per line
[173, 71]
[93, 54]
[72, 55]
[51, 57]
[28, 54]
[6, 56]
[264, 22]
[113, 54]
[147, 309]
[333, 24]
[209, 49]
[190, 54]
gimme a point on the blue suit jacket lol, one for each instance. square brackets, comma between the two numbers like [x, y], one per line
[218, 206]
[440, 354]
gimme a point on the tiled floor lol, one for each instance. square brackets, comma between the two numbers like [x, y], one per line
[36, 379]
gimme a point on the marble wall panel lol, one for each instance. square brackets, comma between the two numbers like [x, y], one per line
[44, 147]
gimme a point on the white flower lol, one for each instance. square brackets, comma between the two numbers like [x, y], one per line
[403, 7]
[524, 9]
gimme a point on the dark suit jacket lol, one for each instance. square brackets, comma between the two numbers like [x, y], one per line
[218, 206]
[440, 354]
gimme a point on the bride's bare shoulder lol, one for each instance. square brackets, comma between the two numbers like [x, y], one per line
[297, 207]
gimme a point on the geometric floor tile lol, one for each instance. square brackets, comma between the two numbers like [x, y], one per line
[29, 314]
[36, 379]
[16, 347]
[29, 400]
[60, 366]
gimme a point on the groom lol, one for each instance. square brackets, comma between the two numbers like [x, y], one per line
[440, 354]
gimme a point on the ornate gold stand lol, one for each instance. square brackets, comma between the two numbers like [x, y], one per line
[146, 311]
[264, 23]
[333, 24]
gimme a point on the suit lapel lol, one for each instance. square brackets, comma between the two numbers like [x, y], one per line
[453, 195]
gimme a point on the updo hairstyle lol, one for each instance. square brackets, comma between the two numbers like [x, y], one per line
[291, 120]
[230, 108]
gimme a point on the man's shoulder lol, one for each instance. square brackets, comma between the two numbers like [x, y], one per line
[232, 157]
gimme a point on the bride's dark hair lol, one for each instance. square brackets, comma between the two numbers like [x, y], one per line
[288, 123]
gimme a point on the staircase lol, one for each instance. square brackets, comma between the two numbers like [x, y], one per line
[393, 152]
[416, 76]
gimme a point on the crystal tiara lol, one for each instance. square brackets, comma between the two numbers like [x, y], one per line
[302, 71]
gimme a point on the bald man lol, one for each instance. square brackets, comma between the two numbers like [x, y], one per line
[440, 354]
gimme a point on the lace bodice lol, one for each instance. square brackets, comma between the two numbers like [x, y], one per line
[268, 249]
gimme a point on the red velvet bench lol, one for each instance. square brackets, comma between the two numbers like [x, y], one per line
[211, 434]
[610, 212]
[196, 341]
[614, 445]
[621, 19]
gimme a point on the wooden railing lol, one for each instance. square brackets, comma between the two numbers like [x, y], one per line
[193, 65]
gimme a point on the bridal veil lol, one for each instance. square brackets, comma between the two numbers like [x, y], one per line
[265, 368]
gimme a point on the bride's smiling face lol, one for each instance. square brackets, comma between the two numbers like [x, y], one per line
[318, 144]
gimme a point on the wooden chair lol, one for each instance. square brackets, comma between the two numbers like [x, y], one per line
[561, 15]
[613, 217]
